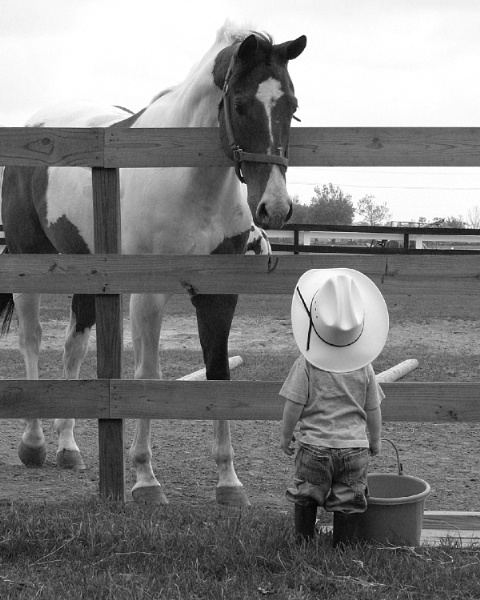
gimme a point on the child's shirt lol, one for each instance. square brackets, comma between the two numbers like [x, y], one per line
[335, 404]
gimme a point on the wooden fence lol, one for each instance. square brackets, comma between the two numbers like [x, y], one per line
[302, 235]
[110, 399]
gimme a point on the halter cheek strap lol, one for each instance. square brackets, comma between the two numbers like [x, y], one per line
[238, 155]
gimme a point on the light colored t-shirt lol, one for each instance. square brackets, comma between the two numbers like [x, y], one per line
[335, 404]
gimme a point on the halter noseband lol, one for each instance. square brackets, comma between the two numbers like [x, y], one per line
[238, 154]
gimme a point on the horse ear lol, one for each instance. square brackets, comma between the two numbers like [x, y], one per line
[248, 48]
[293, 49]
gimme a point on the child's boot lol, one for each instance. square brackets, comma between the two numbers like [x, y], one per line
[305, 519]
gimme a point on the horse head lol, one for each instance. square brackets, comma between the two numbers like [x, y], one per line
[255, 114]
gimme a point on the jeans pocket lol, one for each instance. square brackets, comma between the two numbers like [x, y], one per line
[312, 467]
[356, 466]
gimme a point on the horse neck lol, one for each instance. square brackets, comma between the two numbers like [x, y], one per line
[193, 103]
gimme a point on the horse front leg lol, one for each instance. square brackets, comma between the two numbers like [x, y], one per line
[214, 316]
[146, 313]
[32, 450]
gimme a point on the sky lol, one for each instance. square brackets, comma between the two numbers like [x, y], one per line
[409, 63]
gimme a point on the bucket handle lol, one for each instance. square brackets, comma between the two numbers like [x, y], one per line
[399, 464]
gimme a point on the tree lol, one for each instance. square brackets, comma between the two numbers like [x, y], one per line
[455, 222]
[330, 206]
[372, 213]
[300, 211]
[473, 217]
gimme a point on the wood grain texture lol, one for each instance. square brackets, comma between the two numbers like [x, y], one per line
[169, 147]
[437, 402]
[35, 146]
[385, 146]
[108, 274]
[107, 236]
[78, 399]
[214, 400]
[240, 400]
[309, 146]
[452, 520]
[251, 400]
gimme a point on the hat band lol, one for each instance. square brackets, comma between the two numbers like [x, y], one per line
[312, 326]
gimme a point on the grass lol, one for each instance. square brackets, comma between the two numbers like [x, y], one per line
[107, 550]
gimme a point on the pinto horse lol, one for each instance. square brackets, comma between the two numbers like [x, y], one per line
[258, 241]
[241, 86]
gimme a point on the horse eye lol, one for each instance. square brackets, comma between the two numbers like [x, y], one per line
[240, 108]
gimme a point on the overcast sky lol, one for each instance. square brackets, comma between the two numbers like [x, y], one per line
[367, 63]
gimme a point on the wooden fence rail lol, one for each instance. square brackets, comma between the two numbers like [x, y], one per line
[309, 147]
[111, 399]
[239, 400]
[301, 235]
[109, 274]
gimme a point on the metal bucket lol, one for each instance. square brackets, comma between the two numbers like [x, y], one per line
[394, 513]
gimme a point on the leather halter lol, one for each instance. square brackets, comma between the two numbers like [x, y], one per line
[239, 155]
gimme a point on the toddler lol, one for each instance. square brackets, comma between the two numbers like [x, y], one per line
[340, 324]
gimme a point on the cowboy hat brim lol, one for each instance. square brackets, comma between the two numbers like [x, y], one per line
[346, 358]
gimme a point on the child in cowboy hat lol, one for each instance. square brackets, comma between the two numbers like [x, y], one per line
[340, 324]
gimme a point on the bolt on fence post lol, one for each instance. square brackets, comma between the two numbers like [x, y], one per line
[109, 318]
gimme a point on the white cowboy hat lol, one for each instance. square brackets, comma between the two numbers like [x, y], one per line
[339, 319]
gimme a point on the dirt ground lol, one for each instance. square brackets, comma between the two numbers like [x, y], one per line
[444, 455]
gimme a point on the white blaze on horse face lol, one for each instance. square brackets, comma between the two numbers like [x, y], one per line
[268, 93]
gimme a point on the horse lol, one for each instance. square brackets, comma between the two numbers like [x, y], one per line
[242, 87]
[258, 241]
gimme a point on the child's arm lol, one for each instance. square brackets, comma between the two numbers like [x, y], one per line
[291, 415]
[374, 426]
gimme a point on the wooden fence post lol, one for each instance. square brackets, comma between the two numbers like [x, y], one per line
[107, 231]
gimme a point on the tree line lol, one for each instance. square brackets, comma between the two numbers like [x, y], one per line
[331, 206]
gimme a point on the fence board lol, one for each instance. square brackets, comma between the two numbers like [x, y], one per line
[309, 146]
[192, 147]
[242, 400]
[109, 274]
[455, 520]
[108, 308]
[437, 402]
[76, 399]
[38, 147]
[385, 146]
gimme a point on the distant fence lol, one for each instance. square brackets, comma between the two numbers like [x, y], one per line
[108, 275]
[315, 238]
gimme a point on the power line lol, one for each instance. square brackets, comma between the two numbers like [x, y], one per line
[390, 187]
[425, 171]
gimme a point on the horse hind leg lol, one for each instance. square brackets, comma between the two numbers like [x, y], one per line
[146, 313]
[214, 316]
[82, 319]
[31, 451]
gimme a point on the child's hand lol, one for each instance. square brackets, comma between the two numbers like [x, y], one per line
[375, 447]
[285, 445]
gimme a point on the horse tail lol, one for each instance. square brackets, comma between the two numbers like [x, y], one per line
[6, 308]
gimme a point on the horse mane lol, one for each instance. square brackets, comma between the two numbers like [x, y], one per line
[230, 34]
[162, 93]
[227, 35]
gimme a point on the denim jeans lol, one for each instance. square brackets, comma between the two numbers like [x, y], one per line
[333, 478]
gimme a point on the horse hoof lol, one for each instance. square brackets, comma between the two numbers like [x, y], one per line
[70, 459]
[152, 494]
[232, 496]
[32, 457]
